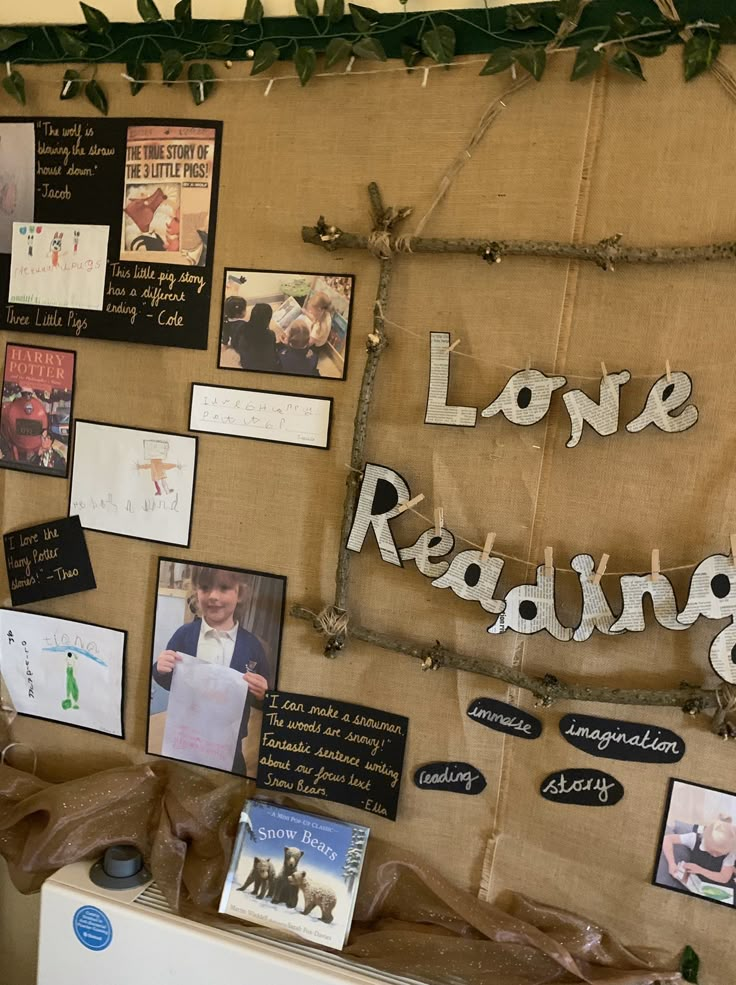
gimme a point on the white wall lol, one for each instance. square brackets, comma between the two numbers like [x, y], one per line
[67, 11]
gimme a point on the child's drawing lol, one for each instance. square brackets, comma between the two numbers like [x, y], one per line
[63, 670]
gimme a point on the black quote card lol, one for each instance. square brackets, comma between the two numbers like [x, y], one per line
[47, 561]
[154, 183]
[318, 747]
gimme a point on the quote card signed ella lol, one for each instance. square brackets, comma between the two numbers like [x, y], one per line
[60, 669]
[285, 418]
[317, 747]
[133, 483]
[47, 561]
[58, 265]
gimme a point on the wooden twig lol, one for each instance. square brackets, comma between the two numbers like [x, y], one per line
[334, 620]
[384, 221]
[547, 689]
[605, 254]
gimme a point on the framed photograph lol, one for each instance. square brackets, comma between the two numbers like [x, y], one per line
[284, 322]
[64, 670]
[264, 415]
[36, 409]
[696, 854]
[215, 655]
[133, 483]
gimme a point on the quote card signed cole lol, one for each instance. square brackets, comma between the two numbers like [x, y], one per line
[285, 418]
[47, 561]
[114, 227]
[318, 747]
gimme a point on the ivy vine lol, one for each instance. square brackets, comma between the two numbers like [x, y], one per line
[518, 38]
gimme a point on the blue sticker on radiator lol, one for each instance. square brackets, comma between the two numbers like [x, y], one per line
[92, 928]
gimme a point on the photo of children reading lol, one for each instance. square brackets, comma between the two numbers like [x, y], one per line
[226, 622]
[698, 846]
[294, 324]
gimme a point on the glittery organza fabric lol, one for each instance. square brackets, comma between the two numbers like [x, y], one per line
[408, 919]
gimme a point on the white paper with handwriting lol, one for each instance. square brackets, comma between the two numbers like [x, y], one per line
[132, 482]
[205, 709]
[286, 418]
[58, 265]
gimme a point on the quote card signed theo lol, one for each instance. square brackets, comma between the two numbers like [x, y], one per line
[47, 561]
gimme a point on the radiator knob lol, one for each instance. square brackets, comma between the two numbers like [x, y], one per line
[121, 867]
[122, 861]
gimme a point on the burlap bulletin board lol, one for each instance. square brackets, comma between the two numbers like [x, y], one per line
[565, 161]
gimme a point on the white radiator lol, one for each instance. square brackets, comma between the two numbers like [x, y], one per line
[96, 936]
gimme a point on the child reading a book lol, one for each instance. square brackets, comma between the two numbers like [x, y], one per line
[216, 636]
[712, 851]
[296, 355]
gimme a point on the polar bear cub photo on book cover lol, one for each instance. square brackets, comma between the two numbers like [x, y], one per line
[296, 871]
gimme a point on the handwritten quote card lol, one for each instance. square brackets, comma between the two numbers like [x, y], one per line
[58, 265]
[63, 670]
[149, 189]
[317, 747]
[285, 418]
[47, 561]
[133, 483]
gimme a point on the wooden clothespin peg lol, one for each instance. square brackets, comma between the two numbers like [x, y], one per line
[733, 548]
[454, 345]
[528, 364]
[439, 519]
[604, 371]
[548, 562]
[668, 371]
[655, 565]
[601, 569]
[488, 547]
[403, 507]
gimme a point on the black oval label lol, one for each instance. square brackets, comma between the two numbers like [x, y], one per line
[631, 741]
[587, 788]
[504, 718]
[453, 777]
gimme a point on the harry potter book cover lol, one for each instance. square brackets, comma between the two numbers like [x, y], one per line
[36, 409]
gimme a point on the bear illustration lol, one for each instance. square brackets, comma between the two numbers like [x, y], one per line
[263, 876]
[314, 895]
[283, 891]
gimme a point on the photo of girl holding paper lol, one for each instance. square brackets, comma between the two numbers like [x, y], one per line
[222, 633]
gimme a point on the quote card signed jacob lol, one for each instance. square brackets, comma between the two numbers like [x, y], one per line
[47, 561]
[317, 747]
[285, 418]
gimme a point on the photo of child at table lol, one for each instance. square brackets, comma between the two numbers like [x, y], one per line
[223, 616]
[290, 323]
[698, 849]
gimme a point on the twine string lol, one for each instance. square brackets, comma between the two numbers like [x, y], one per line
[330, 621]
[494, 364]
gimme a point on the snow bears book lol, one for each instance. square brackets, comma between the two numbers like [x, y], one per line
[295, 870]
